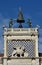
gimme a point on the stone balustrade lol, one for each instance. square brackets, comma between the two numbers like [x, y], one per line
[20, 31]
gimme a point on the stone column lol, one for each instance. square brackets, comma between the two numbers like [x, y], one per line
[37, 60]
[5, 51]
[36, 45]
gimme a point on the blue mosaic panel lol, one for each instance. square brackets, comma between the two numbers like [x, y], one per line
[29, 47]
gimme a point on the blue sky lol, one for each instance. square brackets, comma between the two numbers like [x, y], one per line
[31, 9]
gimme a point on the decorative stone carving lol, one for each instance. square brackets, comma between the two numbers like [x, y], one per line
[19, 52]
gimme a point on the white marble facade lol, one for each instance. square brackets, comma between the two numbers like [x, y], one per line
[19, 34]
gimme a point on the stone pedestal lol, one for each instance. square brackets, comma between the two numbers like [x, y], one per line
[19, 62]
[23, 62]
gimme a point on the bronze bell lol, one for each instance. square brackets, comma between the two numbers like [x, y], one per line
[20, 18]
